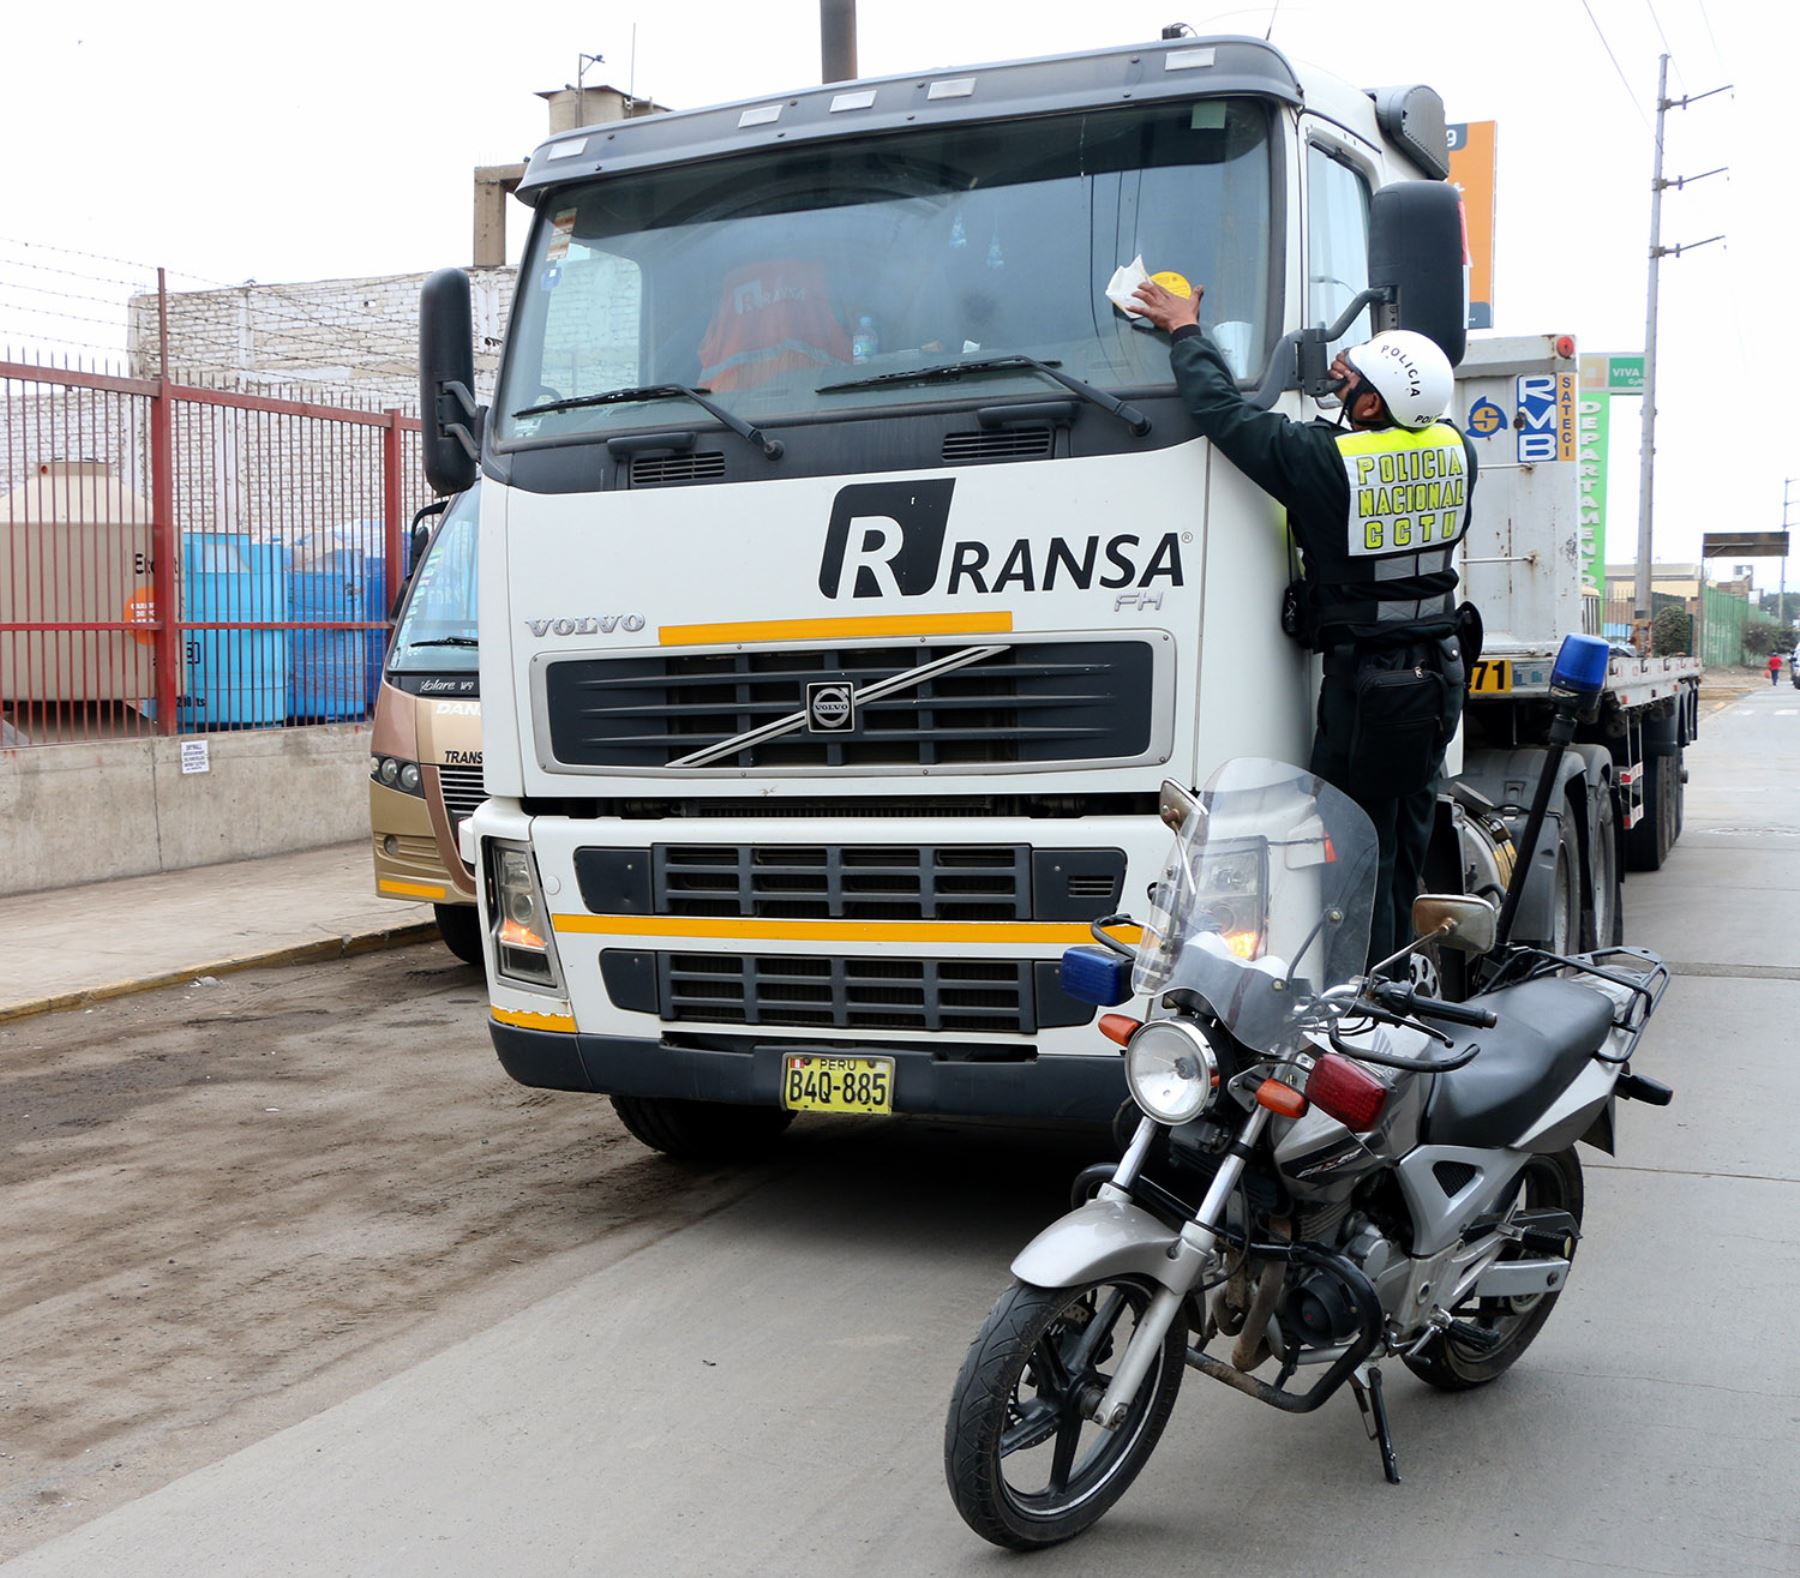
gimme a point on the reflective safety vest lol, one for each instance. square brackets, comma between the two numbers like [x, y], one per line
[1392, 571]
[774, 317]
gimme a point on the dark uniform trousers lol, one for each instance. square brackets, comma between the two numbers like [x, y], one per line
[1403, 822]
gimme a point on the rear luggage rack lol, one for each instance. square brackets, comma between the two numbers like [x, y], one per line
[1646, 985]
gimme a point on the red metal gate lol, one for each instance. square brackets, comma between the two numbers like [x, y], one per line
[176, 558]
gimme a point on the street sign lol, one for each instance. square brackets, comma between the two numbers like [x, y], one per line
[1744, 545]
[1473, 146]
[1613, 374]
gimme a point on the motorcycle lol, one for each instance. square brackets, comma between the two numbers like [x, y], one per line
[1380, 1174]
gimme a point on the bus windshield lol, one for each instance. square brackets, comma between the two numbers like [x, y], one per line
[764, 276]
[437, 634]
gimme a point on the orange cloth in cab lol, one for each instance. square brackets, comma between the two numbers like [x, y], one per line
[774, 317]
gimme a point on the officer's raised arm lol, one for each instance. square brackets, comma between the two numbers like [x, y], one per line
[1280, 456]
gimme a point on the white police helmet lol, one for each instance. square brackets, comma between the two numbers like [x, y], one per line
[1410, 373]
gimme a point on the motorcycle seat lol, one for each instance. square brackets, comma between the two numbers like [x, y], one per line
[1547, 1032]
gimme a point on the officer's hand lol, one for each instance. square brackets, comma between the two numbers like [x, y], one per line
[1165, 309]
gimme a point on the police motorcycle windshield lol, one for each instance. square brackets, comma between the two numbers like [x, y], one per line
[1265, 900]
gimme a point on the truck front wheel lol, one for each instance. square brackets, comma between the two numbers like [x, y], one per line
[702, 1131]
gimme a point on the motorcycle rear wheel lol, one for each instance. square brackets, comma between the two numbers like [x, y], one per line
[1024, 1386]
[1547, 1183]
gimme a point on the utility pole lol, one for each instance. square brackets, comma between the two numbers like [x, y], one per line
[1787, 489]
[837, 40]
[1647, 447]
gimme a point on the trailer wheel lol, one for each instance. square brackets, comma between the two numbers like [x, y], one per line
[1565, 908]
[1603, 926]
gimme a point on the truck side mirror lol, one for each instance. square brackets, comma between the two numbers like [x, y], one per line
[448, 414]
[1416, 253]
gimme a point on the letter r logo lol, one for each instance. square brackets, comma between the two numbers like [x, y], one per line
[885, 539]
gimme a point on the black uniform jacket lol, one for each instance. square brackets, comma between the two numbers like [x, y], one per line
[1297, 463]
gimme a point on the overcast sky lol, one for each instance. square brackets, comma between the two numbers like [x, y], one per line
[337, 139]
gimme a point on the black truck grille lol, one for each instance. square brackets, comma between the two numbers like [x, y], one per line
[864, 882]
[848, 993]
[1032, 703]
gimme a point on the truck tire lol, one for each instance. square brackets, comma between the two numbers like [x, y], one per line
[1565, 905]
[1604, 924]
[461, 928]
[702, 1131]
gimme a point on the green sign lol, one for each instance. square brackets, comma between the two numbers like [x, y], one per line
[1593, 422]
[1625, 375]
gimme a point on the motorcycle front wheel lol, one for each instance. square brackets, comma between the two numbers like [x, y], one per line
[1026, 1466]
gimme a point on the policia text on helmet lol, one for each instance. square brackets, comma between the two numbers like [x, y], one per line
[1377, 510]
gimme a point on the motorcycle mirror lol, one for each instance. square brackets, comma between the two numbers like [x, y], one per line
[1177, 805]
[1455, 920]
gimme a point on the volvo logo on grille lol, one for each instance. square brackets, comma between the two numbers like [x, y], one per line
[830, 708]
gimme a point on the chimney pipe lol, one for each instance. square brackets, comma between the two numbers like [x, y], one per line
[837, 40]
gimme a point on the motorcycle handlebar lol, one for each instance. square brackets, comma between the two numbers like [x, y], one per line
[1408, 1001]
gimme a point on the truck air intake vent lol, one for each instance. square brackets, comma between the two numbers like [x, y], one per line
[1005, 443]
[854, 993]
[857, 882]
[651, 471]
[1034, 703]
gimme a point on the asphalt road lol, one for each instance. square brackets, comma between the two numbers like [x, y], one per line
[759, 1387]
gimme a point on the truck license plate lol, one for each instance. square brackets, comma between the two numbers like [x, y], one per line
[1490, 678]
[837, 1084]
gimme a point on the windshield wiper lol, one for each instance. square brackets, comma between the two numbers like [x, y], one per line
[447, 641]
[771, 447]
[946, 372]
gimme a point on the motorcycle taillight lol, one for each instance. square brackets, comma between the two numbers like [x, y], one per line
[1347, 1091]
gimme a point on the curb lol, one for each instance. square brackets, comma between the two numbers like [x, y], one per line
[290, 953]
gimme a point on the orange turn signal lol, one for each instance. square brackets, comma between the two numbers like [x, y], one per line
[1282, 1100]
[518, 936]
[1119, 1027]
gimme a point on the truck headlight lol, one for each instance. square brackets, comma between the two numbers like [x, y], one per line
[1170, 1070]
[522, 930]
[396, 773]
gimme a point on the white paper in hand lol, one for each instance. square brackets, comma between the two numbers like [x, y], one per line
[1125, 280]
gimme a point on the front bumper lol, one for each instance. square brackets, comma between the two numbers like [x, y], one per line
[1075, 1089]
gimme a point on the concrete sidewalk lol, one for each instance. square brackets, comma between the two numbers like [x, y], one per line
[82, 944]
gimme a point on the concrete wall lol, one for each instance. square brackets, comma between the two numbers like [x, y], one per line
[87, 813]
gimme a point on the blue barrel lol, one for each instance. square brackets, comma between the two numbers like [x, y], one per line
[328, 670]
[235, 679]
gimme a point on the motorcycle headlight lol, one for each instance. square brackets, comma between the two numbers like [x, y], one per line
[1170, 1070]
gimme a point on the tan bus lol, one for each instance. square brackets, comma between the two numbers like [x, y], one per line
[426, 774]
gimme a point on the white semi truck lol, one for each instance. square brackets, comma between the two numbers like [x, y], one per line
[852, 575]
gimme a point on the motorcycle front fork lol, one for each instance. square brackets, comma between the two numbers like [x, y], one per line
[1192, 1256]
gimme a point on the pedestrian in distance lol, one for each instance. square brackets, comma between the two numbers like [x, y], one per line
[1774, 668]
[1376, 508]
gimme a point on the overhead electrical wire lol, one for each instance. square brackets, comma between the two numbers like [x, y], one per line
[1624, 81]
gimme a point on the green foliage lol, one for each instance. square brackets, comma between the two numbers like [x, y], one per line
[1763, 636]
[1672, 632]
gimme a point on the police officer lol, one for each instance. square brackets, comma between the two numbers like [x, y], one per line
[1377, 511]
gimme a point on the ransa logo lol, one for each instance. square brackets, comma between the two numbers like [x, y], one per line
[887, 539]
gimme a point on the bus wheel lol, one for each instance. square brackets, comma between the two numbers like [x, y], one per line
[461, 926]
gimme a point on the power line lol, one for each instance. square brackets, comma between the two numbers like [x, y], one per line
[1624, 81]
[1711, 37]
[1667, 48]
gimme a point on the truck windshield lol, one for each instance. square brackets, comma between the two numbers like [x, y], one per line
[436, 634]
[765, 276]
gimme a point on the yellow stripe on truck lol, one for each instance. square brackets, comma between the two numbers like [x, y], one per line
[999, 622]
[726, 929]
[410, 890]
[530, 1021]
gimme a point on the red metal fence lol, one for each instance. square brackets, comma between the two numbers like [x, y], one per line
[176, 558]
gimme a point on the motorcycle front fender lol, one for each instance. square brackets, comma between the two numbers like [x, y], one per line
[1097, 1241]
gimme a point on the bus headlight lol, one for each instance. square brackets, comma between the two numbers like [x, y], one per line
[1170, 1070]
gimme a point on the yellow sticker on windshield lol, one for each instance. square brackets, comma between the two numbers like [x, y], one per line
[1170, 280]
